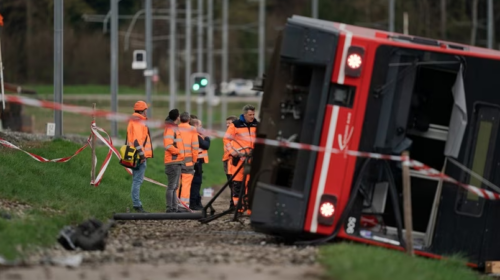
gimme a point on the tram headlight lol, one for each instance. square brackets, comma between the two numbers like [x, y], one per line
[327, 209]
[354, 61]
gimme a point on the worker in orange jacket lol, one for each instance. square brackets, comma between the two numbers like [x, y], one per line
[190, 141]
[174, 158]
[239, 139]
[225, 159]
[138, 136]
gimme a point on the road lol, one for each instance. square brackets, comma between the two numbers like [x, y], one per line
[126, 97]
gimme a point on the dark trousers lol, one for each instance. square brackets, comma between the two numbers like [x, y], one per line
[228, 176]
[195, 197]
[231, 203]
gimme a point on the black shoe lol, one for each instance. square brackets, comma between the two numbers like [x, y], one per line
[196, 207]
[139, 209]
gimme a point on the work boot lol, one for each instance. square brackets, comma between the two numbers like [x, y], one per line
[139, 209]
[196, 207]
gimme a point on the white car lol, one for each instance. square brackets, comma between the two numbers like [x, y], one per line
[239, 87]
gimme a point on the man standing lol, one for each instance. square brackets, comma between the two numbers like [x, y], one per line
[225, 159]
[190, 142]
[195, 199]
[174, 158]
[138, 136]
[240, 138]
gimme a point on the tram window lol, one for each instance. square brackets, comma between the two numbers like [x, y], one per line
[480, 154]
[341, 95]
[481, 147]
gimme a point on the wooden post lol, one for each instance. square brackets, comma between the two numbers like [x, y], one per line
[93, 148]
[407, 204]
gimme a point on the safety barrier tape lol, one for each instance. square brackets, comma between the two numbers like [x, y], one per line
[161, 124]
[431, 172]
[7, 144]
[278, 143]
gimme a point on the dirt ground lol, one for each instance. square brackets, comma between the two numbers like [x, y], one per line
[180, 250]
[167, 271]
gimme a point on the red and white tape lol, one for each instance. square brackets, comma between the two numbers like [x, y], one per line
[7, 144]
[431, 172]
[161, 124]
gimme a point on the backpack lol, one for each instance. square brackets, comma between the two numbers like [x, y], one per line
[129, 156]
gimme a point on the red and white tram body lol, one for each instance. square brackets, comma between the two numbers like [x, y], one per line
[352, 88]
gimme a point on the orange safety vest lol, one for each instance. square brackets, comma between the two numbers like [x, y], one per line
[190, 142]
[172, 142]
[226, 154]
[138, 136]
[240, 136]
[203, 154]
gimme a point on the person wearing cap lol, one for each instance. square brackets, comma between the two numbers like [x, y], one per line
[138, 136]
[174, 158]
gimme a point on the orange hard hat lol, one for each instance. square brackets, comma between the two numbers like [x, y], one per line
[140, 106]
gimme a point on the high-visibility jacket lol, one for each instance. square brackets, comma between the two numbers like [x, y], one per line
[190, 141]
[203, 151]
[240, 136]
[226, 154]
[172, 142]
[138, 136]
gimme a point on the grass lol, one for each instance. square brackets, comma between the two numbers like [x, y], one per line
[65, 187]
[360, 262]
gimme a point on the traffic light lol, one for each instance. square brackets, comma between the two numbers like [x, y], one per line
[199, 81]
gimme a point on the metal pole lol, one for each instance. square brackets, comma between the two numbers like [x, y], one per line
[443, 19]
[58, 64]
[490, 24]
[199, 59]
[392, 10]
[114, 64]
[407, 204]
[405, 23]
[210, 60]
[93, 148]
[172, 53]
[315, 8]
[188, 55]
[1, 80]
[149, 55]
[262, 36]
[224, 57]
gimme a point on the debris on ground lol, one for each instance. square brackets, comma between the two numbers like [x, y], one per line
[90, 235]
[72, 261]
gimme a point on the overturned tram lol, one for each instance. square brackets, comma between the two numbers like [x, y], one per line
[351, 88]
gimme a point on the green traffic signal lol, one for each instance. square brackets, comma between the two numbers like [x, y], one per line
[204, 82]
[196, 87]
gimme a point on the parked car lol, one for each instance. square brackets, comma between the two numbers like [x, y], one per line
[238, 87]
